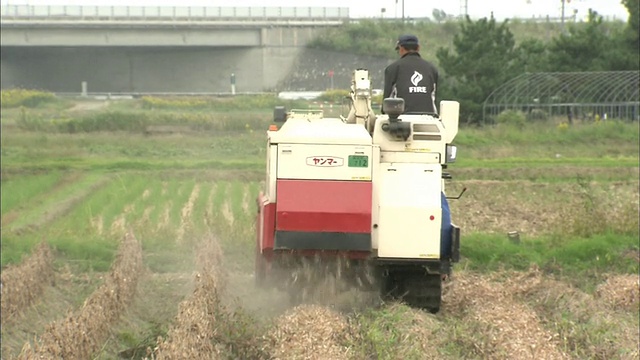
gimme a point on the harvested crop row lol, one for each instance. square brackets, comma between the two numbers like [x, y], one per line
[309, 332]
[23, 283]
[576, 315]
[620, 291]
[617, 292]
[80, 335]
[192, 334]
[507, 328]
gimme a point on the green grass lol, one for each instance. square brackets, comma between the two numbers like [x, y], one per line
[59, 200]
[220, 196]
[509, 163]
[236, 197]
[15, 247]
[20, 190]
[125, 151]
[544, 140]
[390, 333]
[112, 201]
[181, 199]
[563, 255]
[237, 240]
[158, 201]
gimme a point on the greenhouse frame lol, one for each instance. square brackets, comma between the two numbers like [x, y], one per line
[584, 96]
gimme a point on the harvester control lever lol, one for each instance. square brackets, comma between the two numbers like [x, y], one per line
[459, 195]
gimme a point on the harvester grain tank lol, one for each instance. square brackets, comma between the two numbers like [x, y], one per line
[365, 191]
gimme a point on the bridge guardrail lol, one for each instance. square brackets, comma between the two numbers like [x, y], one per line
[182, 13]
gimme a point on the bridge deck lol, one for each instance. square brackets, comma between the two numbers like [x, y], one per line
[170, 13]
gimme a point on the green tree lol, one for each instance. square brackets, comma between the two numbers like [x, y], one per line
[582, 48]
[594, 47]
[633, 25]
[484, 57]
[533, 56]
[632, 34]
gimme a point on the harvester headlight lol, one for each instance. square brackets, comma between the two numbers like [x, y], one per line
[452, 151]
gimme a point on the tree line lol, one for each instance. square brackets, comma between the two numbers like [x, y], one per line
[484, 53]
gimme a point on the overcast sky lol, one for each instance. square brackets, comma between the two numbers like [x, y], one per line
[372, 8]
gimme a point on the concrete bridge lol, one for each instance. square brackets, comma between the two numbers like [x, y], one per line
[156, 49]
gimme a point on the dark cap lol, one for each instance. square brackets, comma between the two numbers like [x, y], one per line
[406, 40]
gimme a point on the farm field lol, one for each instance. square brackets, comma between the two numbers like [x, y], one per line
[128, 233]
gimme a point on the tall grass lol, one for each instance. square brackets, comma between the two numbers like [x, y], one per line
[23, 97]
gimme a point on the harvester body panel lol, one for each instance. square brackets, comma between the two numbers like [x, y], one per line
[323, 215]
[324, 162]
[410, 211]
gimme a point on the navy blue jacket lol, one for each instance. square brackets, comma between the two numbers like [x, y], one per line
[413, 79]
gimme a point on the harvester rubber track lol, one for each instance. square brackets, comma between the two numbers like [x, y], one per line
[416, 289]
[424, 291]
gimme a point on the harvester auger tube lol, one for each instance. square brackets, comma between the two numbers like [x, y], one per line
[365, 192]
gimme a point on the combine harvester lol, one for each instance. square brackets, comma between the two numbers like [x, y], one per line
[362, 196]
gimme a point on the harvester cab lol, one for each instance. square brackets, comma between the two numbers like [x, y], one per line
[364, 190]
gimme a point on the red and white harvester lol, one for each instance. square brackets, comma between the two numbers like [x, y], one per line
[364, 191]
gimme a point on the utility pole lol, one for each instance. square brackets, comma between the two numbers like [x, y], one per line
[402, 10]
[464, 8]
[562, 15]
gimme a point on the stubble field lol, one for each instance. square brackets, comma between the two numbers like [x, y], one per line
[136, 242]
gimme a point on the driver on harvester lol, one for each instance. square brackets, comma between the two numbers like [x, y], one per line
[412, 78]
[415, 80]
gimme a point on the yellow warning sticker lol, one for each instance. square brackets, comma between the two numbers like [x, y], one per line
[409, 148]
